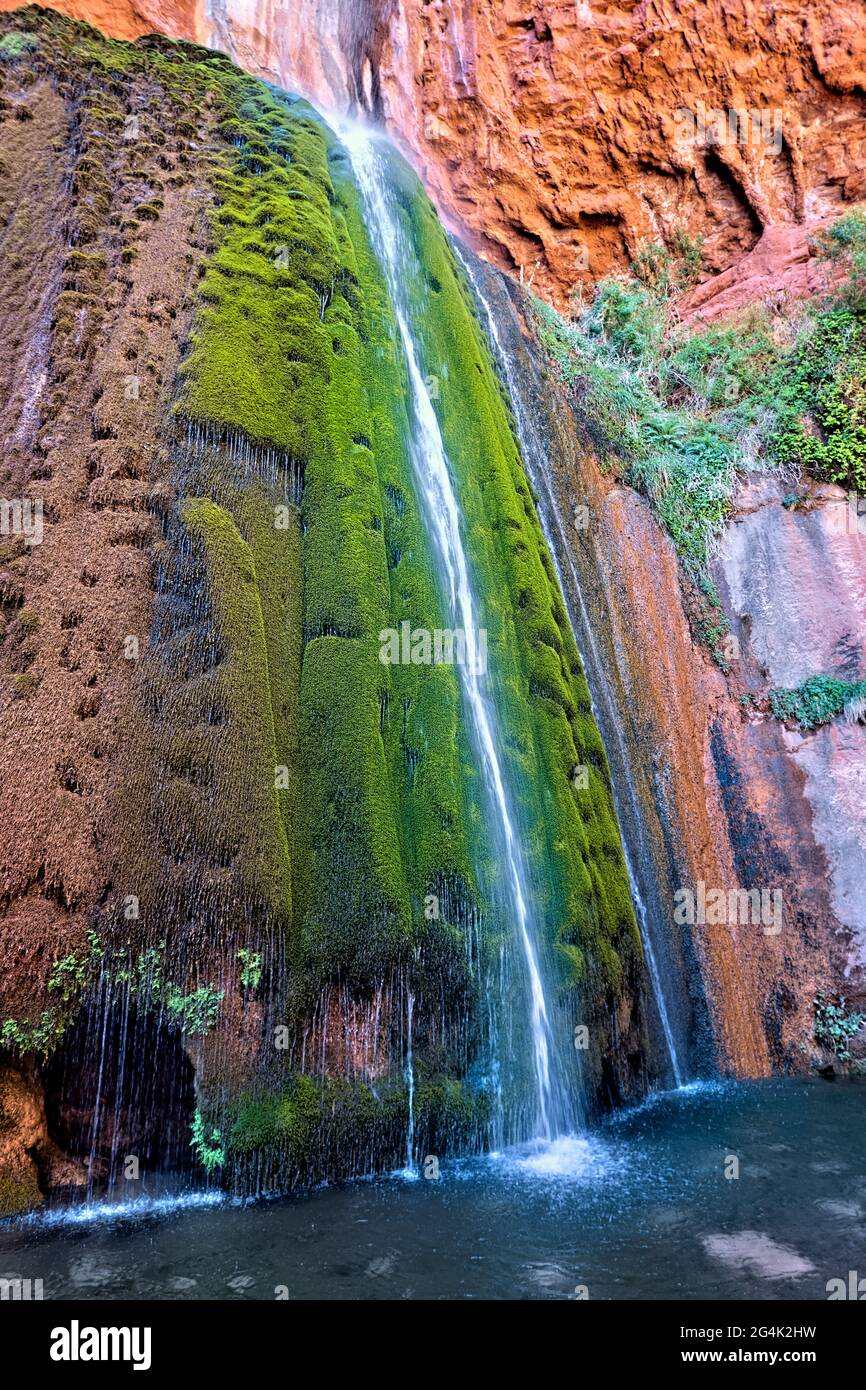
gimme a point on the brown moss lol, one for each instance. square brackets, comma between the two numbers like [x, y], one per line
[19, 1193]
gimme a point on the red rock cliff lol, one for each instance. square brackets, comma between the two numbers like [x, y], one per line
[561, 133]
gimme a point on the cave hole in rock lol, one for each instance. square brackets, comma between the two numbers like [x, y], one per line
[122, 1087]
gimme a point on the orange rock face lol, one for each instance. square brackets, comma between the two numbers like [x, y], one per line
[561, 133]
[564, 133]
[126, 19]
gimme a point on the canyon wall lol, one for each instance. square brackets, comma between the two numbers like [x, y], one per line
[559, 134]
[710, 789]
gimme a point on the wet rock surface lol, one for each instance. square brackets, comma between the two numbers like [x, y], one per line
[720, 792]
[795, 582]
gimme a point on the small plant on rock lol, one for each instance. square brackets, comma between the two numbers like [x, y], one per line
[15, 46]
[210, 1152]
[251, 968]
[834, 1027]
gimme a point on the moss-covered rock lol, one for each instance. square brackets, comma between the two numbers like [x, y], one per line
[19, 1193]
[338, 1128]
[296, 800]
[568, 824]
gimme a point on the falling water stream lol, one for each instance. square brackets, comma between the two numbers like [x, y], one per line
[368, 153]
[533, 453]
[410, 1086]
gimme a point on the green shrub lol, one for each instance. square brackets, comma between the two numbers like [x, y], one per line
[209, 1151]
[664, 269]
[845, 243]
[820, 395]
[39, 1037]
[817, 701]
[251, 968]
[679, 413]
[141, 978]
[196, 1012]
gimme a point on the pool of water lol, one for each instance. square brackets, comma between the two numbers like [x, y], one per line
[640, 1209]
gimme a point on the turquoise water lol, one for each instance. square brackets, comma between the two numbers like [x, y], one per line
[640, 1209]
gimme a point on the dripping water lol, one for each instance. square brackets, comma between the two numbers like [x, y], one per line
[410, 1088]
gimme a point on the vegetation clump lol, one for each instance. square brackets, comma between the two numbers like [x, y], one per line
[138, 976]
[834, 1026]
[817, 701]
[681, 413]
[208, 1148]
[251, 968]
[332, 1127]
[68, 978]
[15, 46]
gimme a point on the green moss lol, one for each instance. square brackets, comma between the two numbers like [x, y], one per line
[580, 883]
[244, 685]
[449, 1116]
[294, 351]
[29, 620]
[16, 46]
[359, 908]
[148, 212]
[332, 1127]
[24, 684]
[290, 1120]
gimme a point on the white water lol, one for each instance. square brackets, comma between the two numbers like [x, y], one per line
[567, 1157]
[533, 457]
[97, 1213]
[410, 1088]
[442, 513]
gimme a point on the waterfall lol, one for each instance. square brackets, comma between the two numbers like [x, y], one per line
[553, 1109]
[533, 452]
